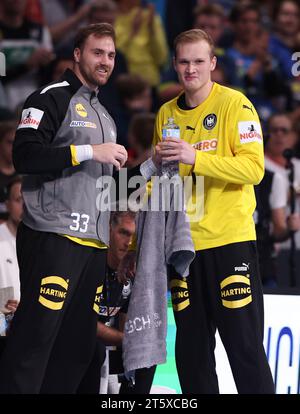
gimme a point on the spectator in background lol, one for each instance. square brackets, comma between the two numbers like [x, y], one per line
[56, 68]
[140, 135]
[9, 269]
[7, 169]
[106, 11]
[252, 69]
[34, 11]
[27, 47]
[272, 223]
[59, 66]
[112, 303]
[282, 135]
[179, 15]
[283, 42]
[64, 17]
[141, 37]
[211, 18]
[135, 97]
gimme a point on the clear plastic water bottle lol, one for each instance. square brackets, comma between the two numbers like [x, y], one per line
[2, 324]
[172, 130]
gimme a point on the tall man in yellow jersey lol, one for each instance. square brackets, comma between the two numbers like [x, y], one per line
[221, 140]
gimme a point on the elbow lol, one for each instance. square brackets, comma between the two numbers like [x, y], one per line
[21, 162]
[17, 163]
[258, 173]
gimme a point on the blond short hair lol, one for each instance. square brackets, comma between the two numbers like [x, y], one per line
[193, 36]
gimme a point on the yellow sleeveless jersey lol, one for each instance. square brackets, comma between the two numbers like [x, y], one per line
[226, 132]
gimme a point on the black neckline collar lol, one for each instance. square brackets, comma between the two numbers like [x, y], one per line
[75, 83]
[69, 76]
[182, 103]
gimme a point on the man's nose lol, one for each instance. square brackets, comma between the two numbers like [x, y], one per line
[190, 67]
[104, 59]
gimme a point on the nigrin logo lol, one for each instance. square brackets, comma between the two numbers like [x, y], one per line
[180, 294]
[235, 296]
[53, 292]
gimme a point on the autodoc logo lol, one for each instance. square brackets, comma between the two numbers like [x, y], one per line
[2, 64]
[296, 65]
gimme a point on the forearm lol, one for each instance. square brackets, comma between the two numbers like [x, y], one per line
[35, 158]
[236, 170]
[59, 30]
[109, 335]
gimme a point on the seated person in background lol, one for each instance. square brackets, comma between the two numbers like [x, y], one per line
[111, 303]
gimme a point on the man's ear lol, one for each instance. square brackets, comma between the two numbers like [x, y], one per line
[213, 63]
[77, 55]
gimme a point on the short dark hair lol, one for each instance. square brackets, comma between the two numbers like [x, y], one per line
[130, 85]
[281, 114]
[97, 29]
[241, 8]
[104, 5]
[193, 36]
[210, 9]
[116, 216]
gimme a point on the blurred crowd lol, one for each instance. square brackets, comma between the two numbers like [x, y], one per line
[256, 46]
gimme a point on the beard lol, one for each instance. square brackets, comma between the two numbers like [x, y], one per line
[91, 75]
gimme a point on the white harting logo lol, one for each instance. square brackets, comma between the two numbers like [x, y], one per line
[243, 268]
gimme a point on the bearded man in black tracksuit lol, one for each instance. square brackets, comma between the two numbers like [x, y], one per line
[64, 144]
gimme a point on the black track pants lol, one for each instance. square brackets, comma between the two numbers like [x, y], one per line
[53, 333]
[223, 291]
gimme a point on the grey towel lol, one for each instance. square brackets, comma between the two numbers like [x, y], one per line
[162, 238]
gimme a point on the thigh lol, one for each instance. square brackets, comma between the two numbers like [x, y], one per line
[239, 305]
[90, 383]
[76, 340]
[190, 299]
[50, 271]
